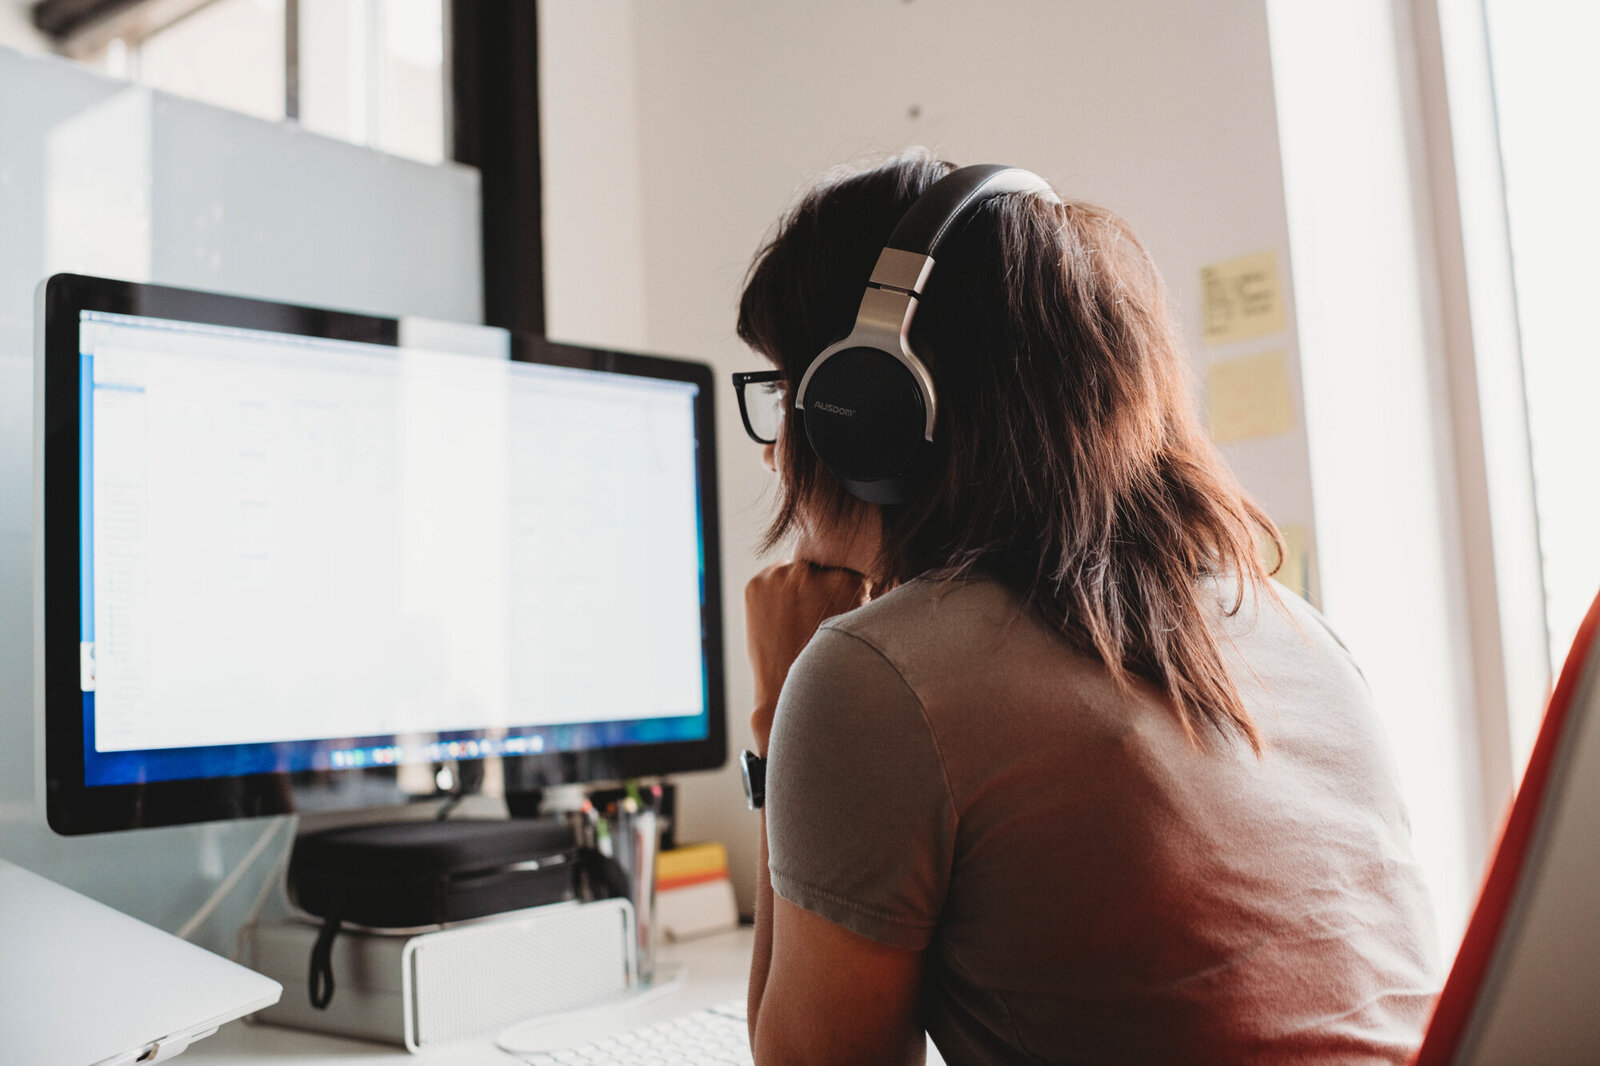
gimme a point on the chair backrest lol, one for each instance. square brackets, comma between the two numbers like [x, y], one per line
[1525, 987]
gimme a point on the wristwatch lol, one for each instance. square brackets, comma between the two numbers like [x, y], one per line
[754, 770]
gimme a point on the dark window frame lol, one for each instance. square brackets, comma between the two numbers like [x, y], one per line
[493, 56]
[58, 19]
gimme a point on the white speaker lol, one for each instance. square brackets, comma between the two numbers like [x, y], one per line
[423, 988]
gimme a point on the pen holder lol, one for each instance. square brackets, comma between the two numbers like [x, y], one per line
[634, 837]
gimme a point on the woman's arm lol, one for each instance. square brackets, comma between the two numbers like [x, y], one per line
[818, 992]
[761, 956]
[831, 996]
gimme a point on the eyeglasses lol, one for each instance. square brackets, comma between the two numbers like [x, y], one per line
[761, 403]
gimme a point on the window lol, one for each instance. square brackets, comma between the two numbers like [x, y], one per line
[366, 71]
[228, 53]
[372, 72]
[1546, 85]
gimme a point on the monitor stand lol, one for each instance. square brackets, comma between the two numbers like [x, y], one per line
[423, 988]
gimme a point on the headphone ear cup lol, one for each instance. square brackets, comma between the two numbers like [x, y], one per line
[865, 417]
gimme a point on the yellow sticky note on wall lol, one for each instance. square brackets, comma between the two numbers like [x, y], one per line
[1241, 298]
[1295, 573]
[1249, 397]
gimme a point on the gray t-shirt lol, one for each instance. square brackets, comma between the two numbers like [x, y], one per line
[1091, 886]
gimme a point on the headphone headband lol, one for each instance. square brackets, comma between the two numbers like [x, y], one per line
[949, 201]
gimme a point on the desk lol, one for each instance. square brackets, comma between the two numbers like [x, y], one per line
[718, 970]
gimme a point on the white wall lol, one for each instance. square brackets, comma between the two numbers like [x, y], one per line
[17, 30]
[1159, 110]
[594, 283]
[103, 178]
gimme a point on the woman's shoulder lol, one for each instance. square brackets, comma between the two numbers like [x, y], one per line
[928, 611]
[949, 638]
[1275, 622]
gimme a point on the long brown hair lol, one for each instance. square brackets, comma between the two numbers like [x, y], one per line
[1067, 463]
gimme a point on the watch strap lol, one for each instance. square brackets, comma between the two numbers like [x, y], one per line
[753, 768]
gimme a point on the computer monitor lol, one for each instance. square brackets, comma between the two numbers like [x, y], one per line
[290, 563]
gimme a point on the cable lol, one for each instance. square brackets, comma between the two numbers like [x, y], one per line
[276, 878]
[187, 929]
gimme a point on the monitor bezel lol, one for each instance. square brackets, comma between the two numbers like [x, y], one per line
[73, 807]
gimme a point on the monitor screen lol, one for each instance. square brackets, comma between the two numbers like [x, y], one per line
[307, 562]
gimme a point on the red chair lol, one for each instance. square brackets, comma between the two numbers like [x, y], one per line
[1525, 987]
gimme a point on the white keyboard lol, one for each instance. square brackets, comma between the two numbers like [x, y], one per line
[706, 1037]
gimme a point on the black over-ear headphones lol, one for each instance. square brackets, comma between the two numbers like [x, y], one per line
[868, 401]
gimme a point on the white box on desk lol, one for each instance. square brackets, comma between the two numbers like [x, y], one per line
[697, 910]
[422, 988]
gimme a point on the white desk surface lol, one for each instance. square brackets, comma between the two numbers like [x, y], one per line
[718, 970]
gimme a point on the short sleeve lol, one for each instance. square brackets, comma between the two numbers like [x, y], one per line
[860, 824]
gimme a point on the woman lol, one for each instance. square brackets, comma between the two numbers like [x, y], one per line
[1077, 784]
